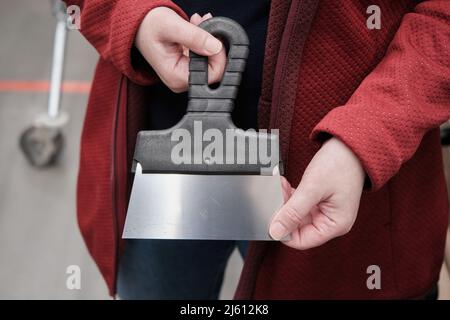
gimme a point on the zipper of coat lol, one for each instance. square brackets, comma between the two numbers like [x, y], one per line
[280, 70]
[282, 66]
[115, 214]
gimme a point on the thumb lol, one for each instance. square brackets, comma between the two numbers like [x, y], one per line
[290, 216]
[192, 37]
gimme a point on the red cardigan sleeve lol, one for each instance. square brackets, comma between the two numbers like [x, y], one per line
[406, 95]
[111, 26]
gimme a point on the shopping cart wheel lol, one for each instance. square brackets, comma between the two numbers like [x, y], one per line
[43, 142]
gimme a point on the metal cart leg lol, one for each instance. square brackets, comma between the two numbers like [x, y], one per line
[43, 141]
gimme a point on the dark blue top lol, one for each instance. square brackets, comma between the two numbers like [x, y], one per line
[166, 107]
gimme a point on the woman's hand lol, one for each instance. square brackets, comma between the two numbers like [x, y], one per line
[325, 204]
[164, 39]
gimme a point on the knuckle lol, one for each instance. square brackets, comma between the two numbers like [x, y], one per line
[177, 28]
[170, 83]
[176, 85]
[348, 223]
[159, 19]
[202, 37]
[196, 37]
[292, 214]
[177, 90]
[344, 229]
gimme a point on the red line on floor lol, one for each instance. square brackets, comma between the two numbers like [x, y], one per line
[44, 86]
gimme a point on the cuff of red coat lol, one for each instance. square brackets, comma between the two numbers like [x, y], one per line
[360, 134]
[127, 17]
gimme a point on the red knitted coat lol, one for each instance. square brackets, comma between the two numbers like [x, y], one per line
[383, 92]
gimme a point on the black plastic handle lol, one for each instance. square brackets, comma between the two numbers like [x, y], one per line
[211, 108]
[221, 99]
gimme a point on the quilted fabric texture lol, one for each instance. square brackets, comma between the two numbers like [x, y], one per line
[385, 95]
[383, 92]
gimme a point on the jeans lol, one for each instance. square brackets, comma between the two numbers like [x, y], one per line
[174, 269]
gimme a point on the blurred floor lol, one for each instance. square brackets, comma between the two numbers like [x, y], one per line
[39, 237]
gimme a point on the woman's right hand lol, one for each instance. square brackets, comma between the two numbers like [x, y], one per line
[164, 39]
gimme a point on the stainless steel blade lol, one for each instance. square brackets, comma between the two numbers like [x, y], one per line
[215, 207]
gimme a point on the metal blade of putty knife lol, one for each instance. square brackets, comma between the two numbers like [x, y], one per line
[230, 193]
[219, 207]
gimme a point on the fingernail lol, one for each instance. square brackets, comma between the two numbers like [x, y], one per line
[212, 45]
[195, 15]
[277, 231]
[207, 16]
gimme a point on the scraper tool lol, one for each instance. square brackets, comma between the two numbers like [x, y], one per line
[204, 178]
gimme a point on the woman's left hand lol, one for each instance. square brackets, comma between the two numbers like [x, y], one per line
[325, 204]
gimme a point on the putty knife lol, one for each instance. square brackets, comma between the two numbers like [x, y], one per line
[204, 178]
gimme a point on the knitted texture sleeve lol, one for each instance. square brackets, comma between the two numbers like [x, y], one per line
[407, 94]
[111, 25]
